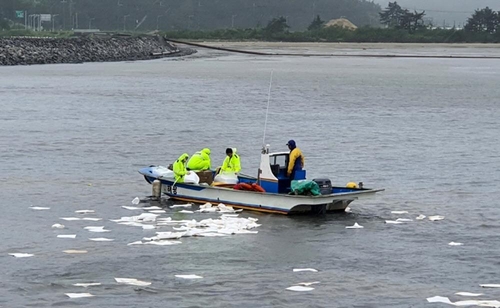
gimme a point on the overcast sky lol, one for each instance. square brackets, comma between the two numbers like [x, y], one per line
[449, 11]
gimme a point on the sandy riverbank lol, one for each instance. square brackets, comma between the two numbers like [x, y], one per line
[362, 49]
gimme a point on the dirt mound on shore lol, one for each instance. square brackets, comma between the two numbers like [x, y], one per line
[341, 23]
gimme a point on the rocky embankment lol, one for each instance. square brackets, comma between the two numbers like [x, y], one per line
[28, 50]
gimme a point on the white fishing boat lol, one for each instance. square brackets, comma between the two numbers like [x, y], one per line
[272, 177]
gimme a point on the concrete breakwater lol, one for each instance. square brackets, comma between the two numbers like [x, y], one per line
[30, 50]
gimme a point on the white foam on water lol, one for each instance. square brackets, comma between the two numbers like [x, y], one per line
[101, 239]
[222, 208]
[468, 294]
[399, 212]
[66, 236]
[181, 205]
[208, 210]
[85, 285]
[481, 303]
[436, 218]
[74, 251]
[148, 227]
[393, 222]
[300, 289]
[132, 208]
[189, 276]
[186, 212]
[490, 285]
[39, 208]
[169, 235]
[209, 234]
[306, 284]
[355, 226]
[455, 244]
[70, 218]
[58, 226]
[439, 299]
[21, 255]
[158, 211]
[420, 217]
[131, 223]
[305, 270]
[163, 243]
[145, 217]
[136, 200]
[230, 215]
[206, 205]
[224, 225]
[91, 219]
[78, 295]
[98, 229]
[85, 211]
[404, 219]
[149, 208]
[133, 282]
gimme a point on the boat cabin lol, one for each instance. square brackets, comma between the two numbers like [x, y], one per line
[272, 172]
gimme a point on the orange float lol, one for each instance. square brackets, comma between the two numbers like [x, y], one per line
[256, 187]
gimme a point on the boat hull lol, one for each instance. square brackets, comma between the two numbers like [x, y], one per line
[257, 201]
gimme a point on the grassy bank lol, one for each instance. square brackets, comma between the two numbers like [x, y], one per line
[333, 34]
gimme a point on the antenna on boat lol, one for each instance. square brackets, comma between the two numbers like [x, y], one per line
[264, 150]
[267, 111]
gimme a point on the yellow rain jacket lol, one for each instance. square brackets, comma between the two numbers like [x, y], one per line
[296, 161]
[231, 164]
[180, 168]
[200, 160]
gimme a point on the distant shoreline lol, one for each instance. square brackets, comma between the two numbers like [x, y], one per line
[361, 50]
[338, 45]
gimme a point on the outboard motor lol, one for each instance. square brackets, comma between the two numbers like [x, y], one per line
[325, 186]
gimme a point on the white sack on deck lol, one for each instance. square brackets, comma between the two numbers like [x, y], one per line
[191, 178]
[226, 178]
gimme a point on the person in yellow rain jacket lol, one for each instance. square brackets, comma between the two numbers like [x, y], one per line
[231, 162]
[180, 168]
[295, 160]
[200, 160]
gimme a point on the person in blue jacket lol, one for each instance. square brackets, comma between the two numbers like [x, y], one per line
[295, 160]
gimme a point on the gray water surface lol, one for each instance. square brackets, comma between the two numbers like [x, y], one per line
[72, 137]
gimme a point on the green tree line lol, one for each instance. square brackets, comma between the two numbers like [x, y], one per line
[483, 26]
[394, 24]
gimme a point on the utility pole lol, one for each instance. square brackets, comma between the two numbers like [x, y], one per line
[158, 18]
[124, 21]
[53, 21]
[158, 21]
[189, 22]
[71, 14]
[64, 13]
[232, 21]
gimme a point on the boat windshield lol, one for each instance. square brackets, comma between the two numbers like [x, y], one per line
[279, 163]
[281, 160]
